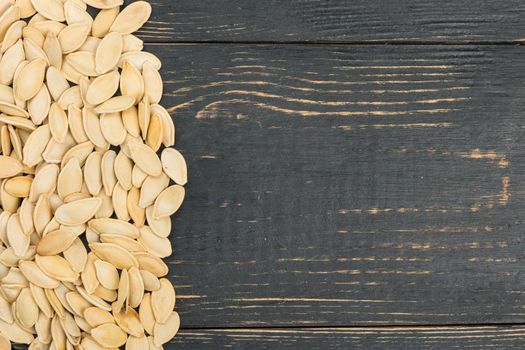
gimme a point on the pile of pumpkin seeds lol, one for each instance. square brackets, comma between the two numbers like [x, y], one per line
[88, 179]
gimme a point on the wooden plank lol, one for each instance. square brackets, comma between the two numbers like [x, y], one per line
[348, 185]
[354, 338]
[336, 20]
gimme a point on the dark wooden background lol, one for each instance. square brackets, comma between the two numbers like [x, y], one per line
[357, 172]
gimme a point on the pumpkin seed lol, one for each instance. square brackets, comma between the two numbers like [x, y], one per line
[56, 82]
[163, 333]
[109, 335]
[132, 17]
[10, 62]
[38, 107]
[77, 212]
[56, 242]
[76, 255]
[174, 165]
[104, 4]
[103, 22]
[75, 13]
[70, 178]
[168, 202]
[103, 88]
[128, 320]
[107, 274]
[108, 52]
[58, 124]
[112, 128]
[73, 36]
[163, 301]
[56, 267]
[30, 79]
[115, 104]
[53, 50]
[115, 255]
[9, 167]
[131, 82]
[12, 35]
[52, 9]
[92, 173]
[145, 158]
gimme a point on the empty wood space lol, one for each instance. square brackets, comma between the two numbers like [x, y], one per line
[356, 172]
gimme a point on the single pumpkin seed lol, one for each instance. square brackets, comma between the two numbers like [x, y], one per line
[131, 82]
[38, 107]
[73, 36]
[109, 178]
[96, 317]
[92, 173]
[112, 128]
[163, 333]
[103, 88]
[76, 255]
[77, 212]
[56, 242]
[30, 79]
[113, 254]
[9, 167]
[168, 202]
[103, 22]
[52, 9]
[108, 52]
[56, 267]
[107, 274]
[19, 186]
[145, 158]
[70, 178]
[58, 124]
[115, 104]
[132, 17]
[110, 335]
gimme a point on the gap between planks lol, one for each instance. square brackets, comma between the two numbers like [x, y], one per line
[344, 43]
[354, 327]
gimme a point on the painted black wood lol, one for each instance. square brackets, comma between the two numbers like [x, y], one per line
[348, 185]
[339, 20]
[362, 338]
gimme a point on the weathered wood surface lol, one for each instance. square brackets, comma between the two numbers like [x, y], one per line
[355, 338]
[348, 185]
[336, 20]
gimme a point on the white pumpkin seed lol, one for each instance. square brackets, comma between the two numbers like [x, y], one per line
[77, 212]
[52, 9]
[132, 17]
[163, 333]
[103, 22]
[109, 335]
[131, 82]
[145, 158]
[108, 52]
[73, 36]
[168, 202]
[103, 88]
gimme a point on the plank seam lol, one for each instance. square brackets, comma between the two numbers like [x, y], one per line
[343, 43]
[437, 325]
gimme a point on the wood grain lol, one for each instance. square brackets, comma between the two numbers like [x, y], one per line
[348, 185]
[355, 338]
[336, 20]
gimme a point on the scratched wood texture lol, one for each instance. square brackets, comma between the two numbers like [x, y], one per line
[341, 185]
[355, 338]
[336, 20]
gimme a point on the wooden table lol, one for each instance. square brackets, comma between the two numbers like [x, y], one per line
[357, 172]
